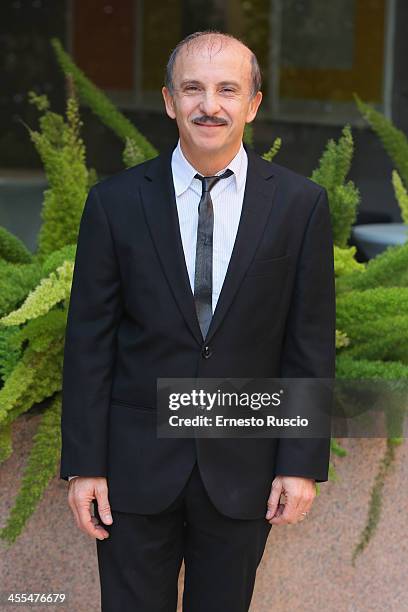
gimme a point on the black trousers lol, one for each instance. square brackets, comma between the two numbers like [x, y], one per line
[139, 563]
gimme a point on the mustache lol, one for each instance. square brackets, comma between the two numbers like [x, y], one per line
[210, 120]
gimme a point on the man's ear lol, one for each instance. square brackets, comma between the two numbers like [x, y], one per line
[169, 102]
[253, 106]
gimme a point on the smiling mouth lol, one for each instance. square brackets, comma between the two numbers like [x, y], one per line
[209, 124]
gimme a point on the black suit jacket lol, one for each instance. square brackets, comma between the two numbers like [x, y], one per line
[132, 319]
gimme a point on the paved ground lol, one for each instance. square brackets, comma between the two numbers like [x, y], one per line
[306, 567]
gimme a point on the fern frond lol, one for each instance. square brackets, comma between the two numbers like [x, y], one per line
[100, 104]
[38, 472]
[51, 290]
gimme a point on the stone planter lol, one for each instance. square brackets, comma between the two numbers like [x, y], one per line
[373, 238]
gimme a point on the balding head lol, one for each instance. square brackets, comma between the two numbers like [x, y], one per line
[210, 43]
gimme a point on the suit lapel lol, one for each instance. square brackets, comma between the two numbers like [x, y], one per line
[159, 202]
[258, 198]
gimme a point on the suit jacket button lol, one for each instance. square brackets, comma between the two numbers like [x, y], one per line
[206, 352]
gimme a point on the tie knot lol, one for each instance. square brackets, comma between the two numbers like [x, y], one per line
[209, 181]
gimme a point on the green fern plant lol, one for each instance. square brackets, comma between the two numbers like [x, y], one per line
[12, 249]
[395, 144]
[63, 155]
[401, 194]
[103, 108]
[344, 196]
[269, 155]
[39, 470]
[393, 140]
[35, 289]
[372, 334]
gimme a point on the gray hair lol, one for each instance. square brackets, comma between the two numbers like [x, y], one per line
[255, 70]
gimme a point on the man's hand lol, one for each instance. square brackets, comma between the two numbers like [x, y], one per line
[299, 492]
[82, 490]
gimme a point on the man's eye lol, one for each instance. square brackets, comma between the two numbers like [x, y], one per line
[228, 89]
[191, 88]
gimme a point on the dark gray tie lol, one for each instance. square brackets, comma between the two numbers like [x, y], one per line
[204, 251]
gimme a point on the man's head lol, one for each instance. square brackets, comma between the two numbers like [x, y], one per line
[212, 89]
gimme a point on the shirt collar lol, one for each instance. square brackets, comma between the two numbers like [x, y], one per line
[184, 172]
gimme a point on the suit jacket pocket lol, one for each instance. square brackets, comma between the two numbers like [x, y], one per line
[133, 406]
[267, 267]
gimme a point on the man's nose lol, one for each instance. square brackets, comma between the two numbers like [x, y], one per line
[209, 103]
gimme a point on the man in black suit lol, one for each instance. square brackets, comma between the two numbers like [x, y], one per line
[207, 261]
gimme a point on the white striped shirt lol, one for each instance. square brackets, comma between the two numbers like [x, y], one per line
[227, 196]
